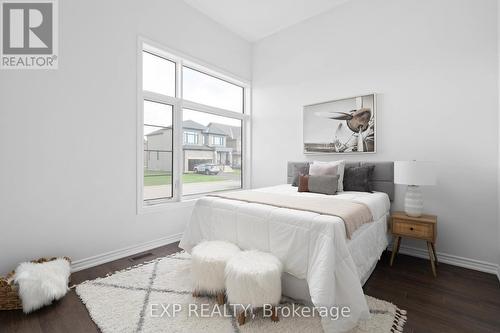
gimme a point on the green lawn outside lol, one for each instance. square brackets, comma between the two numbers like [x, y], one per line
[197, 178]
[152, 178]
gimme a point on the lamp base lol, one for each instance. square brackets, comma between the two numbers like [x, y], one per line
[414, 203]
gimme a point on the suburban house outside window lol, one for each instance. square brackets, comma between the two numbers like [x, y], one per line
[193, 122]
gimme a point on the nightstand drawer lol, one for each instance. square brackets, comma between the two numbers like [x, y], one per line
[416, 230]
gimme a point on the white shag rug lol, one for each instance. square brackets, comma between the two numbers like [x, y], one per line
[142, 298]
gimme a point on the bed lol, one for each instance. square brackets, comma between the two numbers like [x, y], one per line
[322, 265]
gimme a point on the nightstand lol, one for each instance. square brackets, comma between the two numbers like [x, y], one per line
[423, 227]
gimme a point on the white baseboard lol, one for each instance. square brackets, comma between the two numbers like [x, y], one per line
[103, 258]
[446, 258]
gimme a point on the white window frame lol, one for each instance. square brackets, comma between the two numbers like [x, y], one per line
[179, 104]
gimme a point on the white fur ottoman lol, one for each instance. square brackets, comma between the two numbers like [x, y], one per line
[208, 262]
[253, 278]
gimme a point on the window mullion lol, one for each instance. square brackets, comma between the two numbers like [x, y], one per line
[212, 110]
[246, 153]
[179, 160]
[159, 98]
[178, 155]
[178, 87]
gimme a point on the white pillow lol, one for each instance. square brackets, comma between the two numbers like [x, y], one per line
[323, 169]
[340, 165]
[40, 284]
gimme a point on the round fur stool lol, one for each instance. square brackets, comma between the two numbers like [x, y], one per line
[208, 261]
[253, 279]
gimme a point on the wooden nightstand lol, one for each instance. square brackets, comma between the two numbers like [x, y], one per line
[423, 227]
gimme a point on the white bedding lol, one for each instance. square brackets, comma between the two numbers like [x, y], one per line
[365, 247]
[311, 246]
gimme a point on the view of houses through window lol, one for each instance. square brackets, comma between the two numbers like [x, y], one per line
[158, 150]
[214, 162]
[210, 116]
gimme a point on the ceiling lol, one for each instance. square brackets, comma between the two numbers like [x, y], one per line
[256, 19]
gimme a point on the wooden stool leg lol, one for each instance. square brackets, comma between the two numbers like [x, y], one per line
[241, 318]
[434, 252]
[274, 315]
[431, 257]
[220, 298]
[395, 248]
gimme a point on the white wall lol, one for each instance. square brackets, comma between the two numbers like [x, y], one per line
[435, 67]
[498, 205]
[68, 137]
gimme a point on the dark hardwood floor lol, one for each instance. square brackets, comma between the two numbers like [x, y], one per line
[458, 300]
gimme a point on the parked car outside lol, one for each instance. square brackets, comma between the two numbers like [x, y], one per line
[207, 169]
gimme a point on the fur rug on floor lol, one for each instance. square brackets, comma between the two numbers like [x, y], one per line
[143, 298]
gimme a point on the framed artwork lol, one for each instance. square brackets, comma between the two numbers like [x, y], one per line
[343, 126]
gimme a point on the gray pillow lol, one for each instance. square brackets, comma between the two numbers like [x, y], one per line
[323, 184]
[299, 170]
[358, 178]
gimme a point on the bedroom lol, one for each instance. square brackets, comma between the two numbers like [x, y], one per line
[432, 67]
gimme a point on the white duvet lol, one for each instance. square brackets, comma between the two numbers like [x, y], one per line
[310, 246]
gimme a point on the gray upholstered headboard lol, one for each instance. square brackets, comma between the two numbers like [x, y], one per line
[383, 175]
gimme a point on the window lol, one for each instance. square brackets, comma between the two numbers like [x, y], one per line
[192, 122]
[158, 151]
[217, 140]
[190, 138]
[158, 74]
[205, 89]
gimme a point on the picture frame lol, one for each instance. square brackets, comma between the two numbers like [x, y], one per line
[341, 126]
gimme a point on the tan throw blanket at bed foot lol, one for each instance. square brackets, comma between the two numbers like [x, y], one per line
[353, 214]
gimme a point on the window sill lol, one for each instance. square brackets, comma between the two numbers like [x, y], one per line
[165, 206]
[186, 201]
[190, 197]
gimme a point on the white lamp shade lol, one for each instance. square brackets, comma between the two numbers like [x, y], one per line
[414, 173]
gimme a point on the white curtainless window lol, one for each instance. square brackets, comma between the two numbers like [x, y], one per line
[193, 124]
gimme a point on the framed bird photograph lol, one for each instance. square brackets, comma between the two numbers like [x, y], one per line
[342, 126]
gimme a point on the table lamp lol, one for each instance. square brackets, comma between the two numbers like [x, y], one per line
[414, 174]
